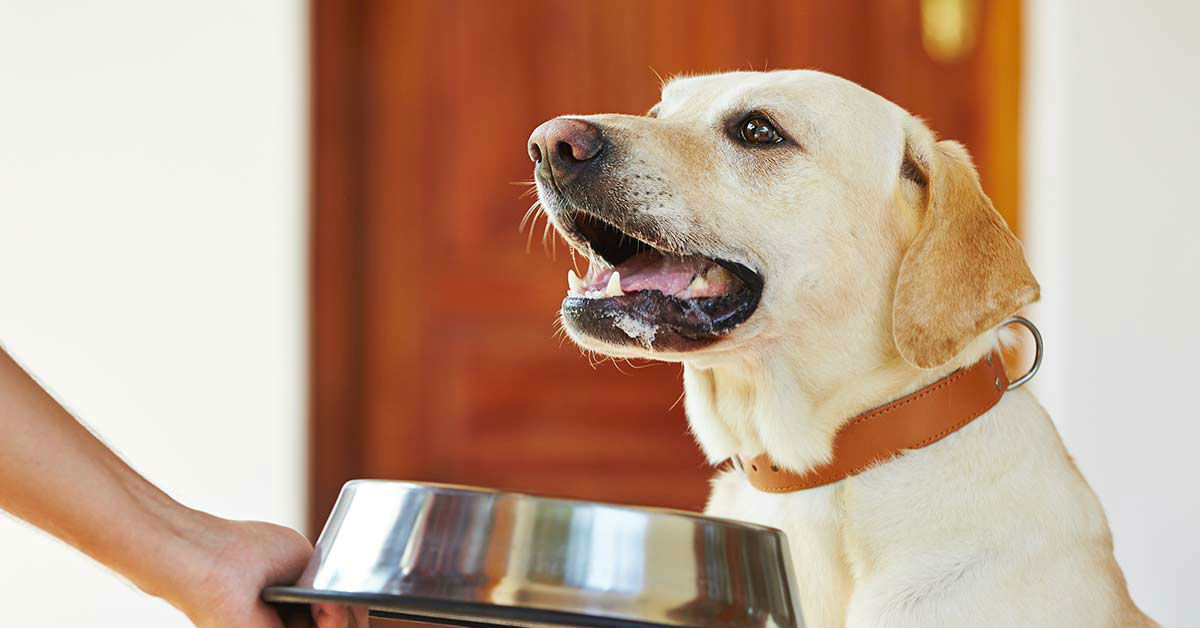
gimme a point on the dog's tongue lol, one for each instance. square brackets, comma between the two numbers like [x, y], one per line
[667, 274]
[691, 276]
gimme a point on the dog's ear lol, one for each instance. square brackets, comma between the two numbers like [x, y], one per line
[965, 272]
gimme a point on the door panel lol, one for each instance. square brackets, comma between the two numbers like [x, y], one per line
[434, 348]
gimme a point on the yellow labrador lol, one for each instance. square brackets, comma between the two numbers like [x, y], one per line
[809, 250]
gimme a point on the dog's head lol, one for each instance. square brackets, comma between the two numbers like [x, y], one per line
[746, 209]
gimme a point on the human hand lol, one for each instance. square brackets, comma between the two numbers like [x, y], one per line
[232, 562]
[55, 474]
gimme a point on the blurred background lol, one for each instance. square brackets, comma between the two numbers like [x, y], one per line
[265, 247]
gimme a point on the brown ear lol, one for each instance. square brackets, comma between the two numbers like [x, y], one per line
[965, 272]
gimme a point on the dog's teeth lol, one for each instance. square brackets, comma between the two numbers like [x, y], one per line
[698, 283]
[614, 286]
[574, 282]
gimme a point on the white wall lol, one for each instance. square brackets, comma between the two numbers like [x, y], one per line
[152, 261]
[1112, 150]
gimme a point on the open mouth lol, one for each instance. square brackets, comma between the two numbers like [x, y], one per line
[636, 293]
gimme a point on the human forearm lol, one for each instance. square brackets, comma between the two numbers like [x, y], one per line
[61, 478]
[56, 475]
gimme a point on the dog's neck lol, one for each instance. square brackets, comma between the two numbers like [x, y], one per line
[786, 406]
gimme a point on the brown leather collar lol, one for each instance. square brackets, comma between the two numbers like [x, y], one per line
[911, 422]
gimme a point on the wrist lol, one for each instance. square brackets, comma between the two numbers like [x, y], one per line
[170, 547]
[214, 569]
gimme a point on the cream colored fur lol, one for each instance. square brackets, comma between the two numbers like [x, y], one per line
[876, 284]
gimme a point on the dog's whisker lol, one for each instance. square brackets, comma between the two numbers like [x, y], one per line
[617, 366]
[533, 210]
[525, 217]
[545, 236]
[589, 354]
[574, 257]
[639, 366]
[553, 244]
[560, 330]
[677, 400]
[661, 80]
[532, 228]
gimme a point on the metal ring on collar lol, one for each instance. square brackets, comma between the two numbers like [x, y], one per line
[1037, 357]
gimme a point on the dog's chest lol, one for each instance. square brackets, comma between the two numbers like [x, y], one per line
[812, 522]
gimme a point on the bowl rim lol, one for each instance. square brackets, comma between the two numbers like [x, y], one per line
[468, 613]
[479, 490]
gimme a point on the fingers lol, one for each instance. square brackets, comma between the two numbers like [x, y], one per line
[330, 615]
[295, 615]
[360, 616]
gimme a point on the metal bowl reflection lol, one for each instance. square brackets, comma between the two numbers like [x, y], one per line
[474, 556]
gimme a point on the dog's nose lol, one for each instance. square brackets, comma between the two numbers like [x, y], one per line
[565, 142]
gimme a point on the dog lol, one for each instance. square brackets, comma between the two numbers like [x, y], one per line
[809, 250]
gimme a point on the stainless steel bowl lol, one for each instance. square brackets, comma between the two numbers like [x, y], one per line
[473, 557]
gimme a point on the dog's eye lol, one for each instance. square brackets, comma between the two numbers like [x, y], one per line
[756, 130]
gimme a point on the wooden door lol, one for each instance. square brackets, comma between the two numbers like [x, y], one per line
[434, 353]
